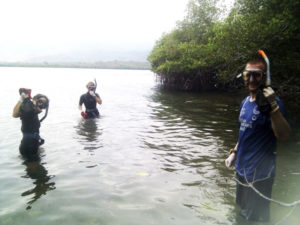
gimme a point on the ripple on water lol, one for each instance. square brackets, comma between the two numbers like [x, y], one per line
[153, 156]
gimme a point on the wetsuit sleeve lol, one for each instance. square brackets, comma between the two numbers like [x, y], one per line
[16, 111]
[98, 95]
[27, 109]
[81, 100]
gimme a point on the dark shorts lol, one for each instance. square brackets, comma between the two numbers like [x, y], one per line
[253, 206]
[92, 114]
[29, 146]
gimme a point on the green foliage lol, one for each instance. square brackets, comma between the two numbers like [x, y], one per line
[201, 42]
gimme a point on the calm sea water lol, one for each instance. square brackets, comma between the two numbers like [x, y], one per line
[153, 157]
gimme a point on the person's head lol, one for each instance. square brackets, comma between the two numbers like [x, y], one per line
[254, 74]
[26, 92]
[91, 86]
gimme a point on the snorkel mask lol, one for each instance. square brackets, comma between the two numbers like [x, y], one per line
[92, 86]
[261, 101]
[256, 75]
[42, 102]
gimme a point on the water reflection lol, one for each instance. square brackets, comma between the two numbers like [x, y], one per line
[36, 171]
[89, 134]
[189, 130]
[190, 135]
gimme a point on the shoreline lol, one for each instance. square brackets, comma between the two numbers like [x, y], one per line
[122, 65]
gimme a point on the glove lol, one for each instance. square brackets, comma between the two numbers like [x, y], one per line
[23, 96]
[270, 96]
[230, 160]
[83, 114]
[92, 93]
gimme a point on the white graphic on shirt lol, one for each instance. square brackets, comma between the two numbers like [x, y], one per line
[256, 111]
[244, 124]
[242, 112]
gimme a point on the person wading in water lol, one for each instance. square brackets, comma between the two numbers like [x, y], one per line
[254, 153]
[28, 109]
[90, 100]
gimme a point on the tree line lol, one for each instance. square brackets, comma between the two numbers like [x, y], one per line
[206, 50]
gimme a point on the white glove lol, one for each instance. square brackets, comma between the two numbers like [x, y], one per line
[270, 96]
[23, 96]
[92, 93]
[230, 160]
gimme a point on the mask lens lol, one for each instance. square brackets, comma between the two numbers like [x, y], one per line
[41, 104]
[256, 74]
[91, 88]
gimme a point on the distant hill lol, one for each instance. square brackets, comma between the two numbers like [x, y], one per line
[83, 58]
[134, 65]
[92, 56]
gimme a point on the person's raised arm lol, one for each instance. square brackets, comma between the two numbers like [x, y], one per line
[280, 126]
[16, 110]
[96, 96]
[98, 99]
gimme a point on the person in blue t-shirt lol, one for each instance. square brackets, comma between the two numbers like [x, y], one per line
[254, 154]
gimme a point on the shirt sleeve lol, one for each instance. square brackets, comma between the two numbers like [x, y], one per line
[282, 108]
[27, 109]
[81, 100]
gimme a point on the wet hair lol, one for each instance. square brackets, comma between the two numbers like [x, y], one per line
[90, 84]
[258, 61]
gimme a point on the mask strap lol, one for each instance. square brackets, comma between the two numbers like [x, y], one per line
[46, 113]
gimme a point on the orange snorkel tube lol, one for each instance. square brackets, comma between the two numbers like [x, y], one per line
[268, 80]
[263, 105]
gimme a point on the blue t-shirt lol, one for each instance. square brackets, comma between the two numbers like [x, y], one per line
[256, 142]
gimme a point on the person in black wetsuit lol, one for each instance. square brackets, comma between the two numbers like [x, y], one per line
[90, 100]
[28, 111]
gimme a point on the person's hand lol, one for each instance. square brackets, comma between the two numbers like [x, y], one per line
[23, 96]
[230, 160]
[270, 96]
[92, 93]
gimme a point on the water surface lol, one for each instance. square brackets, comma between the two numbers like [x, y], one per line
[154, 157]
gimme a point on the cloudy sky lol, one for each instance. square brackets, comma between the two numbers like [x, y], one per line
[48, 26]
[34, 28]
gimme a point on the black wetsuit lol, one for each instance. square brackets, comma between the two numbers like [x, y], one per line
[90, 105]
[30, 128]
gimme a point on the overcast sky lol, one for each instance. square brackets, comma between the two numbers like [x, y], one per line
[63, 24]
[41, 27]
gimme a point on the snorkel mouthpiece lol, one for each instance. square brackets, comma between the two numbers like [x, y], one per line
[263, 54]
